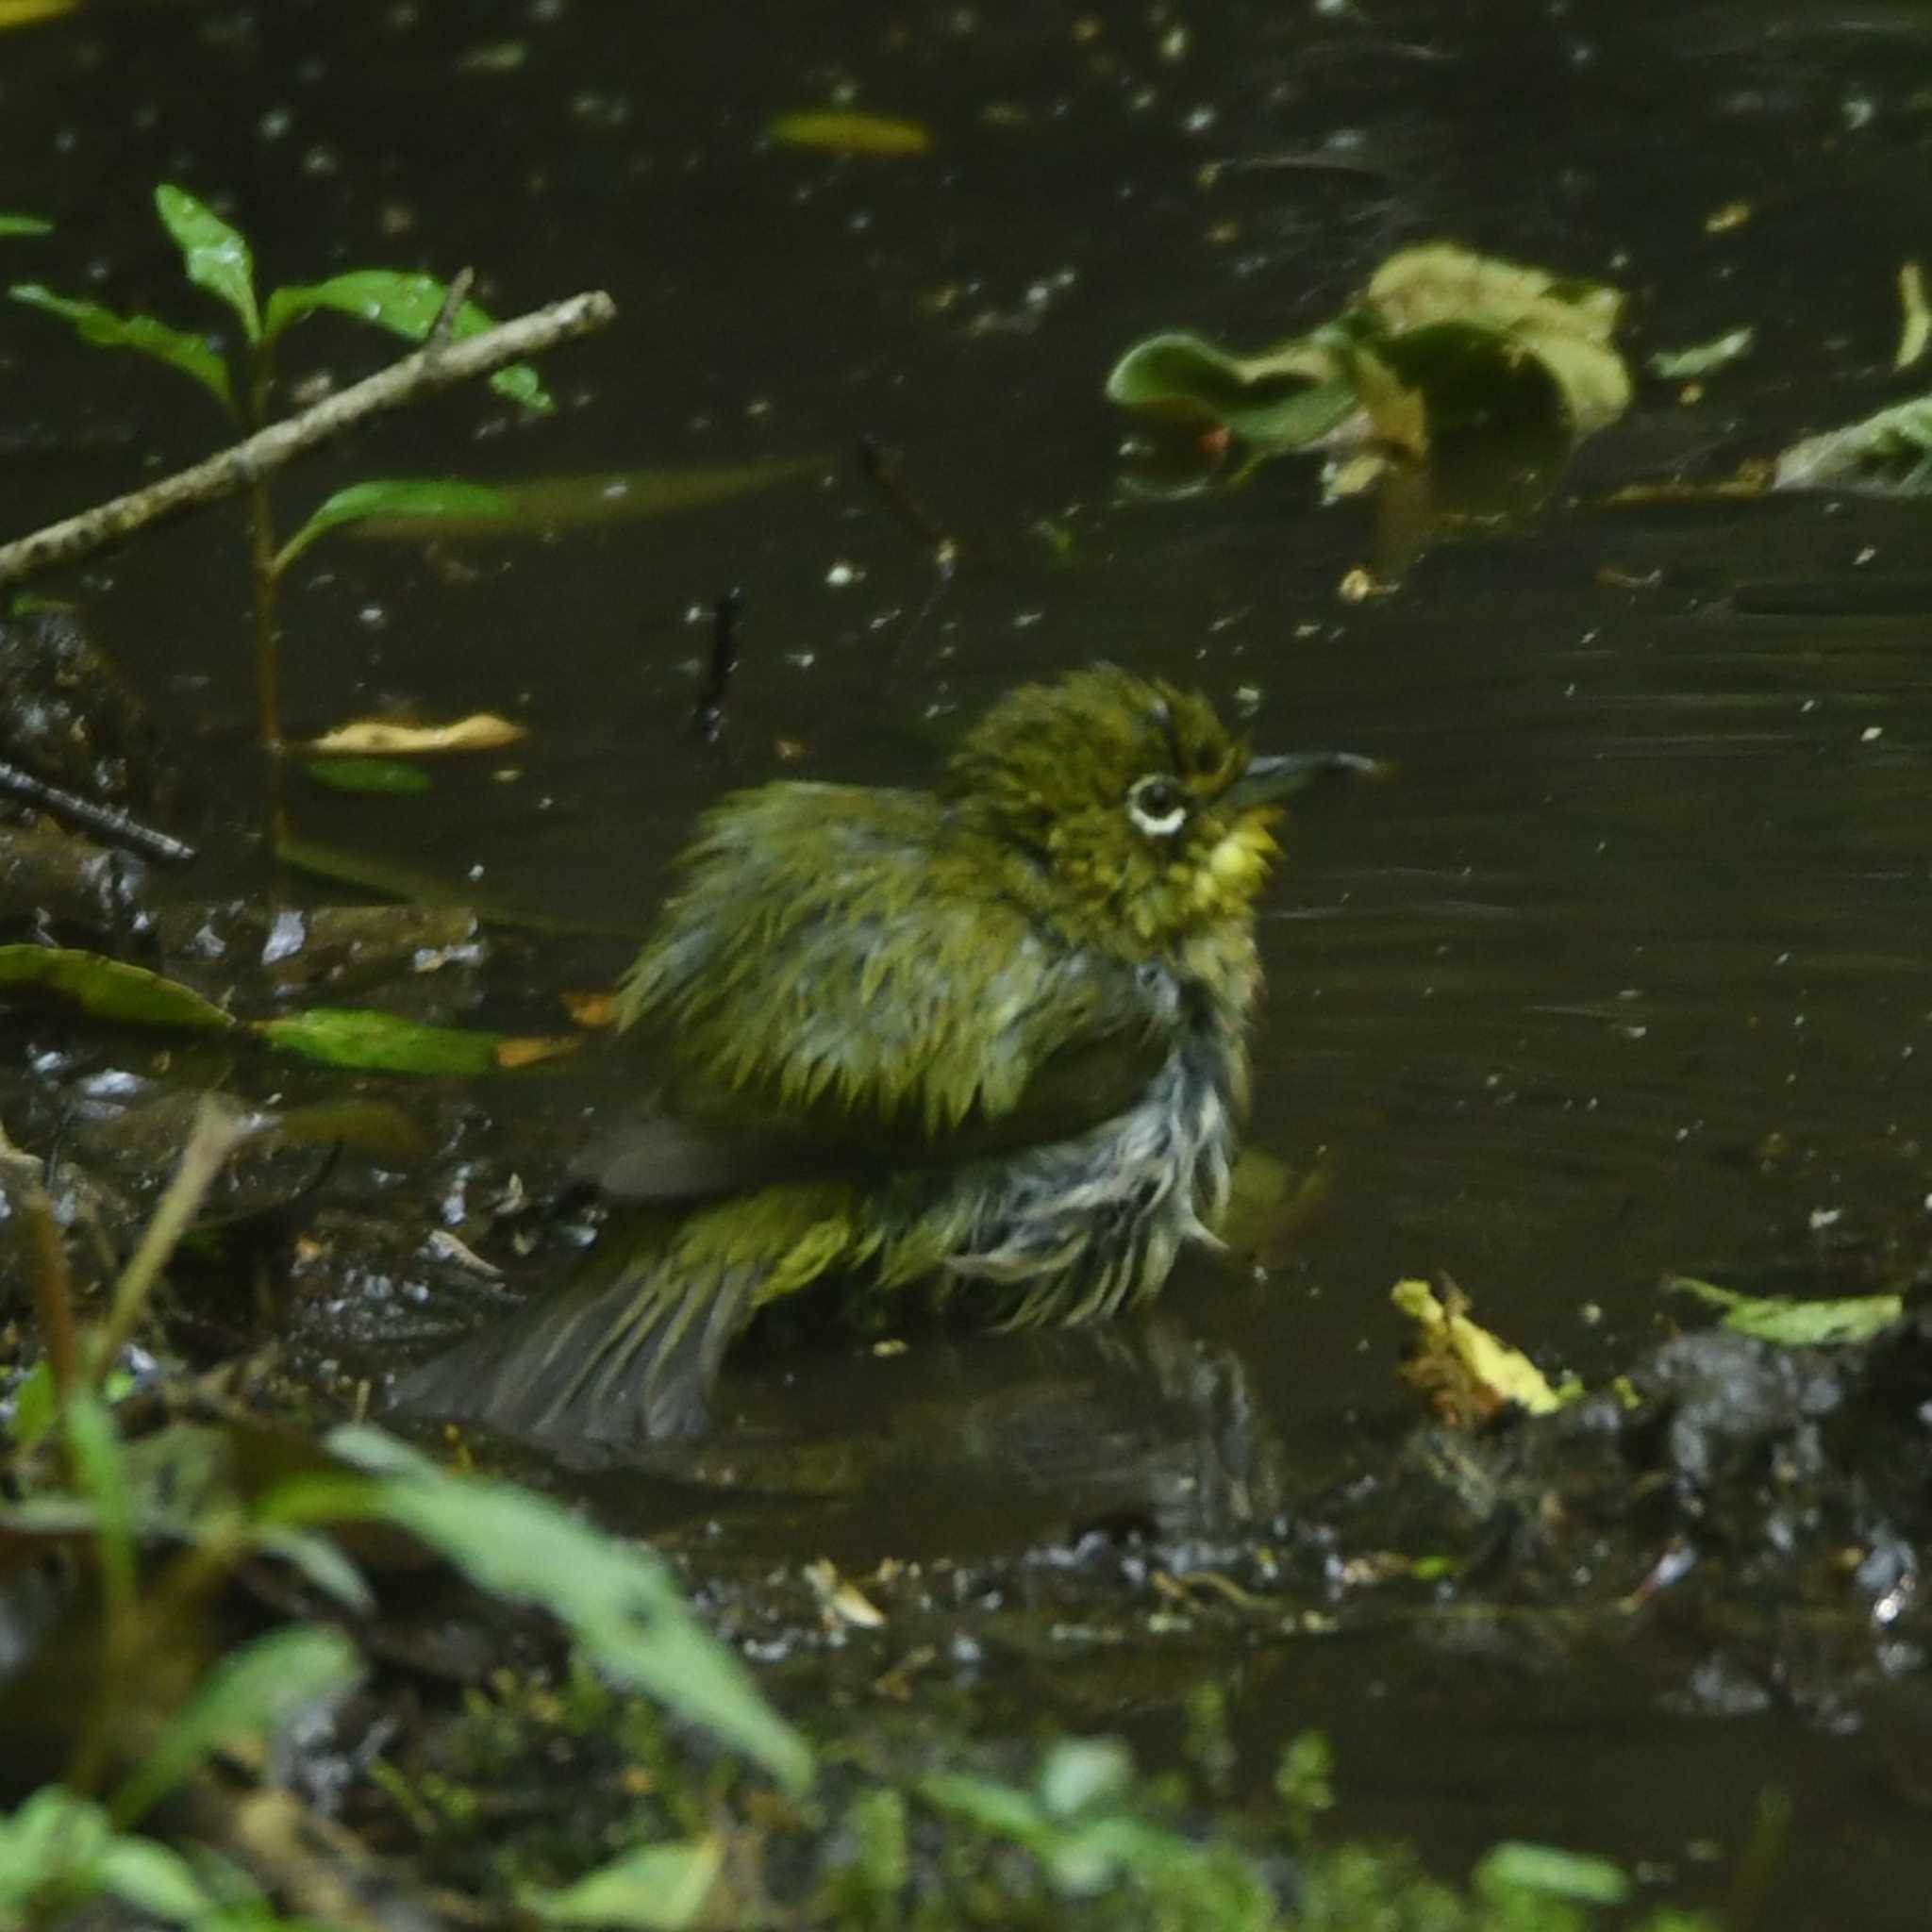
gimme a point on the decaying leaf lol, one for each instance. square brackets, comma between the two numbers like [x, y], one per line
[1796, 1323]
[1469, 1375]
[385, 738]
[1443, 346]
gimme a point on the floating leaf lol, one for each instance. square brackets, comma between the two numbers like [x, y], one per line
[415, 499]
[541, 504]
[27, 12]
[379, 1043]
[1548, 1872]
[619, 1601]
[24, 225]
[371, 1127]
[142, 333]
[380, 737]
[1915, 326]
[1470, 1374]
[660, 1888]
[406, 304]
[1886, 454]
[216, 255]
[847, 132]
[388, 777]
[1442, 343]
[1797, 1323]
[109, 989]
[1288, 398]
[1678, 365]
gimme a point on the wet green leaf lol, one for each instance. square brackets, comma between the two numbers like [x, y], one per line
[252, 1692]
[379, 1043]
[1889, 453]
[1442, 343]
[24, 225]
[621, 1603]
[108, 988]
[389, 777]
[661, 1888]
[1678, 365]
[1550, 1873]
[140, 333]
[33, 1406]
[215, 255]
[1285, 398]
[541, 504]
[406, 304]
[846, 131]
[58, 1846]
[416, 500]
[1794, 1323]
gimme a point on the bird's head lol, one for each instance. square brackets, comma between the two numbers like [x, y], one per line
[1138, 816]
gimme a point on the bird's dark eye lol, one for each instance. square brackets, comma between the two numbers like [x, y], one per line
[1157, 805]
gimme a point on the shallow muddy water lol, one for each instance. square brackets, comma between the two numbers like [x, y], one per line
[1622, 976]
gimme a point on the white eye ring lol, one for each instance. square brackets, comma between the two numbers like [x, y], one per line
[1157, 806]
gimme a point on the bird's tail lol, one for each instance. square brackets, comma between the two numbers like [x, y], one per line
[627, 1355]
[631, 1354]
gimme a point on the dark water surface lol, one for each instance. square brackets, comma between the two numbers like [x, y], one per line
[1622, 975]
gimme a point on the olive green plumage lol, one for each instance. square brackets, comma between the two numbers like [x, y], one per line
[987, 1041]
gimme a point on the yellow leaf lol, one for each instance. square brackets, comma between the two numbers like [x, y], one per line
[528, 1050]
[850, 133]
[1469, 1373]
[383, 737]
[25, 12]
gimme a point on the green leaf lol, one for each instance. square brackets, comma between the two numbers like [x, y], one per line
[1285, 398]
[417, 499]
[140, 333]
[1798, 1324]
[153, 1879]
[406, 304]
[663, 1887]
[252, 1692]
[390, 778]
[1550, 1873]
[33, 1406]
[538, 505]
[1886, 454]
[847, 132]
[1082, 1771]
[993, 1806]
[1680, 365]
[414, 888]
[618, 1600]
[215, 255]
[109, 989]
[24, 225]
[94, 1445]
[379, 1043]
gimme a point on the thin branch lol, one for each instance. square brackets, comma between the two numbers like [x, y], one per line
[434, 367]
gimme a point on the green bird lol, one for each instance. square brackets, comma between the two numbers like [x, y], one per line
[986, 1042]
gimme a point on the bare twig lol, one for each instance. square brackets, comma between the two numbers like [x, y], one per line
[431, 368]
[883, 470]
[454, 297]
[109, 821]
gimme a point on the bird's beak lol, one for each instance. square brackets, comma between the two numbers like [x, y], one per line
[1269, 780]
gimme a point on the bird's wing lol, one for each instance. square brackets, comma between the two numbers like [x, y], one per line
[832, 991]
